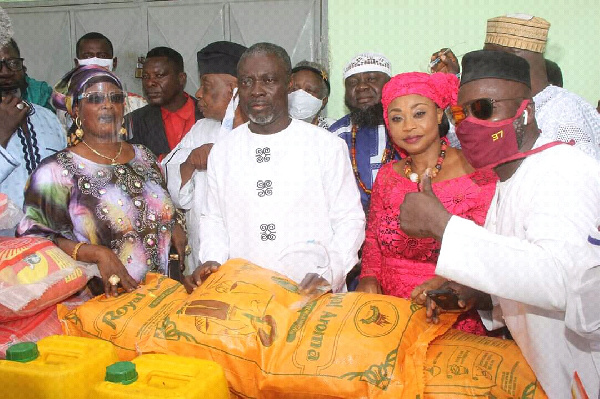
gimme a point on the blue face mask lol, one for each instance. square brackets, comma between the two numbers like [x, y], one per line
[227, 122]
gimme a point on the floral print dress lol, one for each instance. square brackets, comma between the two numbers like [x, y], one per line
[125, 207]
[400, 262]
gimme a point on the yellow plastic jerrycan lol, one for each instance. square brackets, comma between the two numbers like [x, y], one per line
[155, 376]
[57, 367]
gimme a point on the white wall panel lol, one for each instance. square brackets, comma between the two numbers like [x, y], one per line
[44, 40]
[290, 24]
[47, 31]
[186, 28]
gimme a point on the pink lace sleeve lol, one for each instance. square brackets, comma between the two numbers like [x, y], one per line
[485, 183]
[371, 255]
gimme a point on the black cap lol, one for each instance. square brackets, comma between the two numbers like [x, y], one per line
[220, 57]
[486, 64]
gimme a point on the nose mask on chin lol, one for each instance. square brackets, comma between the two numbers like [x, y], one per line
[103, 62]
[487, 143]
[302, 105]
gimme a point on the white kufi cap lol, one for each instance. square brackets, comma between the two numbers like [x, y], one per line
[368, 62]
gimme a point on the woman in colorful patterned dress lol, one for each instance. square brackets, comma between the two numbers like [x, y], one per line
[102, 201]
[392, 262]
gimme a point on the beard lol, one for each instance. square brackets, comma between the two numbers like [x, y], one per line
[369, 117]
[261, 120]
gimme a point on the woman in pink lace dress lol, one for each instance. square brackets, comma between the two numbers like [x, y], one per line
[392, 262]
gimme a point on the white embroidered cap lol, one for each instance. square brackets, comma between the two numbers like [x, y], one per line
[368, 62]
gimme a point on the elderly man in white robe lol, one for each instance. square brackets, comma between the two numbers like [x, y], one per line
[281, 192]
[185, 165]
[529, 254]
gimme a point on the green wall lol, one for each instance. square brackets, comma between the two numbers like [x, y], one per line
[409, 31]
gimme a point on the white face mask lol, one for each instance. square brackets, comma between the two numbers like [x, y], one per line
[304, 106]
[103, 62]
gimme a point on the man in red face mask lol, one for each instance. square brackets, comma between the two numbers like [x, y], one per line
[537, 233]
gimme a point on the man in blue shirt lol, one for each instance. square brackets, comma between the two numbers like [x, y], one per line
[28, 133]
[363, 128]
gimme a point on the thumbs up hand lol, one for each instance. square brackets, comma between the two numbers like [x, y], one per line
[422, 214]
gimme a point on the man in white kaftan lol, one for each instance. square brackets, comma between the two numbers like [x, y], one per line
[531, 253]
[281, 192]
[185, 165]
[191, 195]
[524, 255]
[279, 199]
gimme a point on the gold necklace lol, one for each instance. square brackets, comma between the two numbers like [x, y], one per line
[113, 161]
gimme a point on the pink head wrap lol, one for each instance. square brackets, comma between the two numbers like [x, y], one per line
[441, 88]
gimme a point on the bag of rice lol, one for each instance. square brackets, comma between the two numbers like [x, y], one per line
[35, 274]
[245, 318]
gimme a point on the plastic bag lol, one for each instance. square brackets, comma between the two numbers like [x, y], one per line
[35, 274]
[10, 215]
[38, 326]
[32, 328]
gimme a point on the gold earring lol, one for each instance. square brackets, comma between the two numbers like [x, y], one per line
[79, 131]
[123, 131]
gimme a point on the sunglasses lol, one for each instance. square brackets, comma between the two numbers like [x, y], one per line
[14, 64]
[482, 108]
[98, 97]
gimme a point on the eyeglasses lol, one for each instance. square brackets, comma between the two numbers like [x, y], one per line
[482, 108]
[98, 97]
[14, 64]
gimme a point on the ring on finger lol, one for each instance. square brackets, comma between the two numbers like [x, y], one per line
[20, 105]
[114, 279]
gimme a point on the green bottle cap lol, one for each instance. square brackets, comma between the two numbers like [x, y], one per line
[23, 352]
[121, 373]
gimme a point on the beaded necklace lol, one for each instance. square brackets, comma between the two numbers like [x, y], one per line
[387, 155]
[414, 177]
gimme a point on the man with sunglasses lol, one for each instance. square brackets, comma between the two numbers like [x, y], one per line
[561, 115]
[546, 202]
[28, 133]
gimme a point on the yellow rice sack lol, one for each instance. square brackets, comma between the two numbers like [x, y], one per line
[125, 319]
[460, 365]
[338, 346]
[274, 342]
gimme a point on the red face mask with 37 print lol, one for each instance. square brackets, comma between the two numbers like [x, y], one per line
[487, 144]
